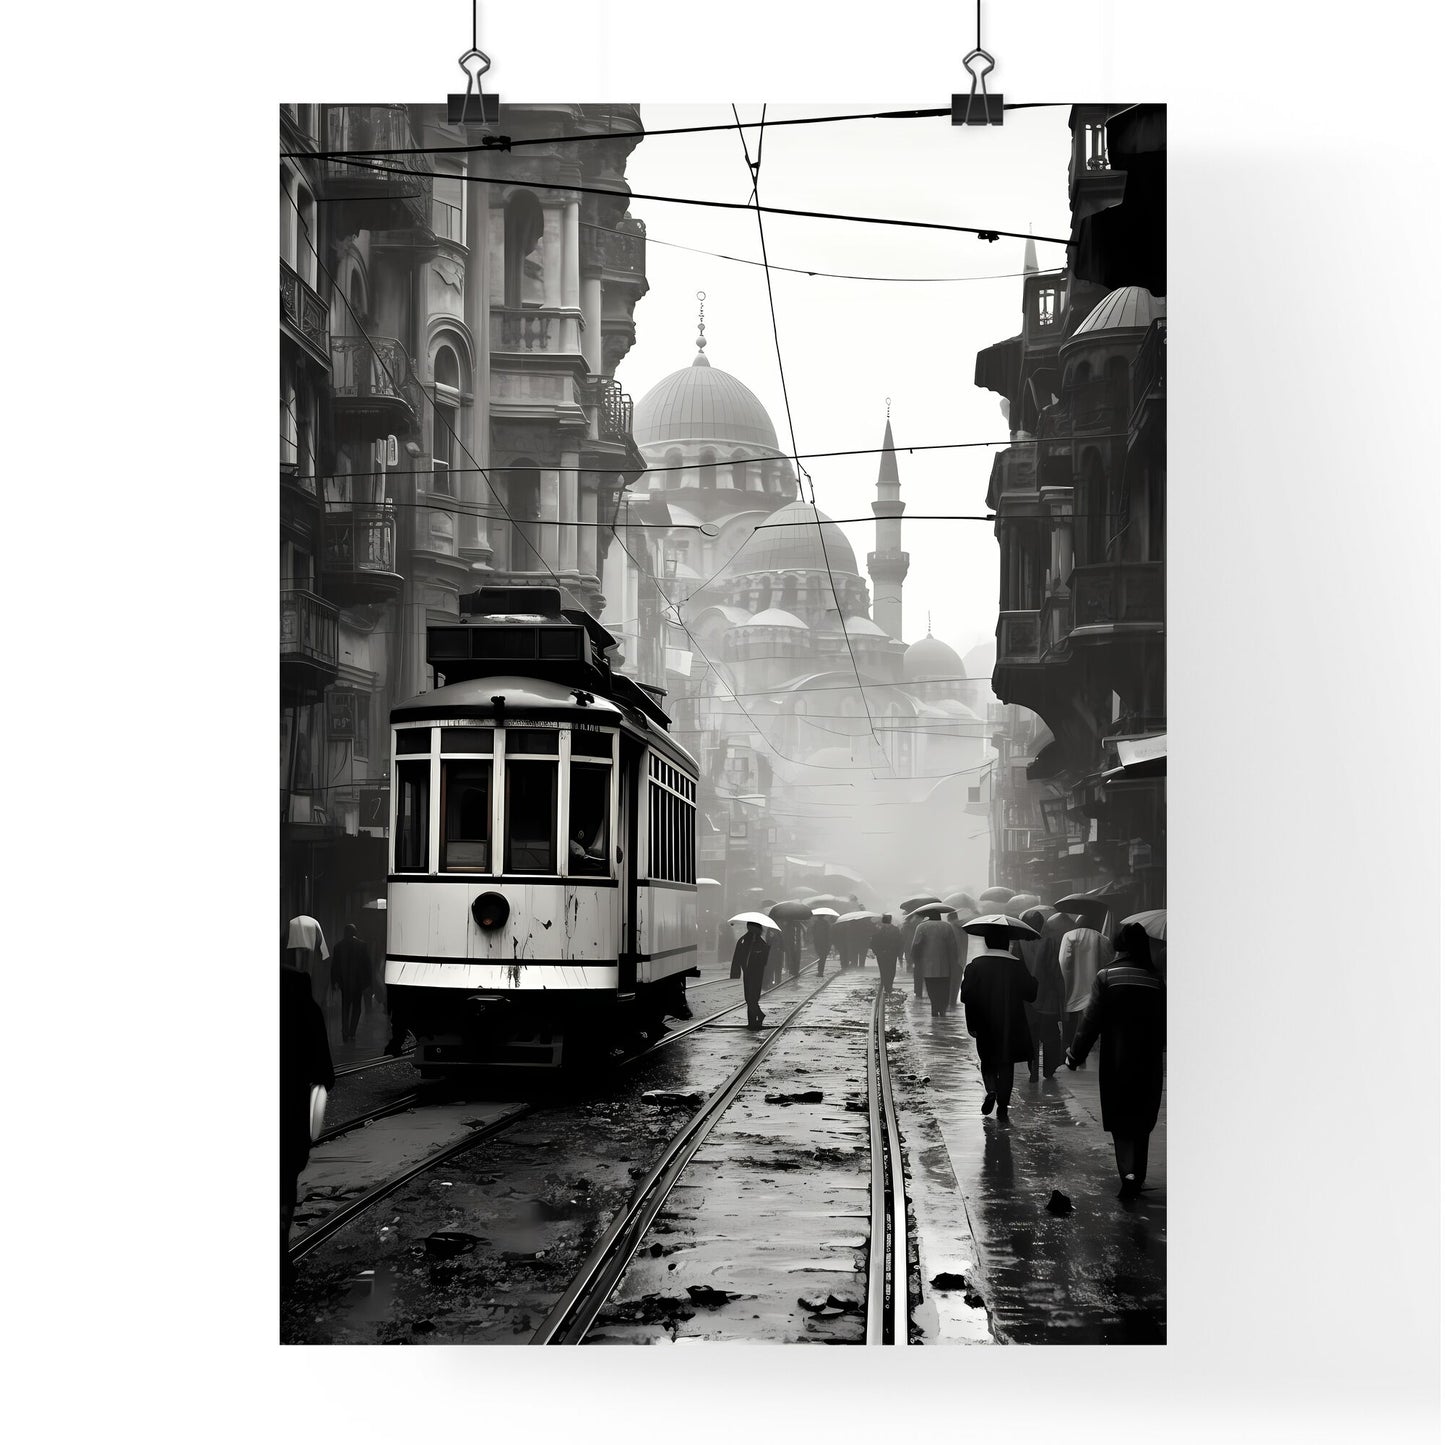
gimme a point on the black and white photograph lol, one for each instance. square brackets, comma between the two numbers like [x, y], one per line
[770, 639]
[729, 841]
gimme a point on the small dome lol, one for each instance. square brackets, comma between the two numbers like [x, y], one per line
[733, 616]
[788, 542]
[978, 661]
[930, 660]
[861, 626]
[701, 403]
[776, 617]
[1130, 308]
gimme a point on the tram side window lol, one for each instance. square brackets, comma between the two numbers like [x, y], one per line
[531, 816]
[411, 816]
[590, 804]
[466, 815]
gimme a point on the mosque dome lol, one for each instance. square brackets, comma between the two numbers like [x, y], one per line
[859, 626]
[776, 617]
[1130, 308]
[978, 661]
[788, 542]
[929, 660]
[702, 404]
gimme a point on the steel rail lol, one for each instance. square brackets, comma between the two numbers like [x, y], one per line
[887, 1312]
[343, 1216]
[375, 1063]
[576, 1311]
[383, 1111]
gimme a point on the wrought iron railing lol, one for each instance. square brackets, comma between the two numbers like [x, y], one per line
[614, 412]
[303, 308]
[398, 175]
[308, 628]
[371, 367]
[361, 539]
[1118, 593]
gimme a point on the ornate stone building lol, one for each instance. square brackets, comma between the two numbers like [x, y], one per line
[450, 328]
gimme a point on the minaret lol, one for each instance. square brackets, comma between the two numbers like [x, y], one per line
[888, 566]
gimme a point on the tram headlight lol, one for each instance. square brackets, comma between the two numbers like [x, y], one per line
[490, 910]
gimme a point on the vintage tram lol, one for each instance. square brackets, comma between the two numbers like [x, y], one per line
[541, 893]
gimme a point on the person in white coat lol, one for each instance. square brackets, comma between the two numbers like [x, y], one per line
[1082, 953]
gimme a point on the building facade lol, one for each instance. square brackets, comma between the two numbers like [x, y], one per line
[450, 328]
[1079, 496]
[804, 782]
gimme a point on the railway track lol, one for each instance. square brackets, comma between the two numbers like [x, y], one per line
[591, 1288]
[339, 1218]
[887, 1309]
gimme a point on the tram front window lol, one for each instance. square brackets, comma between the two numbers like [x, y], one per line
[531, 802]
[590, 803]
[466, 815]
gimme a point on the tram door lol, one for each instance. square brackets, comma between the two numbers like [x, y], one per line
[630, 756]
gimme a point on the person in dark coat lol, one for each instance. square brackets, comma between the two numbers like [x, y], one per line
[305, 1062]
[793, 948]
[887, 945]
[750, 961]
[910, 927]
[1126, 1016]
[351, 976]
[1045, 1013]
[822, 938]
[996, 988]
[934, 952]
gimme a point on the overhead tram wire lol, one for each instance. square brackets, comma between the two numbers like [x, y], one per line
[983, 232]
[754, 167]
[436, 412]
[519, 144]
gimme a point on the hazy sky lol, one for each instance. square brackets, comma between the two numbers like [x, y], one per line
[846, 345]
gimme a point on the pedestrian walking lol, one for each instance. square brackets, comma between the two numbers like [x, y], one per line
[1126, 1016]
[307, 950]
[822, 938]
[910, 927]
[351, 977]
[1082, 953]
[750, 962]
[996, 987]
[793, 948]
[887, 945]
[934, 951]
[776, 959]
[305, 1063]
[1045, 1013]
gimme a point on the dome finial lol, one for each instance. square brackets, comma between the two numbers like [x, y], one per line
[930, 624]
[701, 359]
[887, 408]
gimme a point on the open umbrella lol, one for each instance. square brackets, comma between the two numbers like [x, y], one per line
[997, 894]
[987, 922]
[791, 912]
[1020, 901]
[1152, 922]
[708, 882]
[962, 901]
[860, 917]
[910, 905]
[930, 910]
[753, 918]
[826, 913]
[1088, 908]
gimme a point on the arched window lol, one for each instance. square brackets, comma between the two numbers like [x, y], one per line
[522, 252]
[707, 470]
[446, 420]
[356, 299]
[288, 218]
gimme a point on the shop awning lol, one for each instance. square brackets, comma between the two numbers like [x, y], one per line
[1140, 758]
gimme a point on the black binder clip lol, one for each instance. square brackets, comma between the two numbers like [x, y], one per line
[978, 107]
[472, 106]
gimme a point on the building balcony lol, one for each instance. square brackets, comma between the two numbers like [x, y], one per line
[303, 317]
[536, 331]
[358, 555]
[308, 641]
[1097, 404]
[614, 412]
[1117, 598]
[376, 193]
[1147, 375]
[1018, 638]
[621, 251]
[372, 390]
